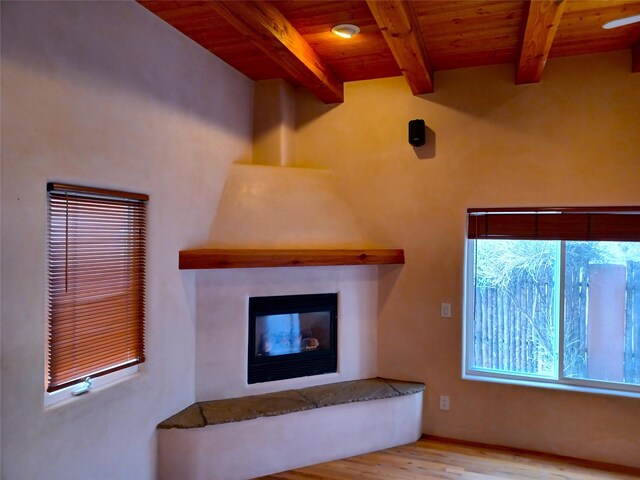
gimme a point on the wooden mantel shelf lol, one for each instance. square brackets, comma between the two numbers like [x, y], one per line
[254, 258]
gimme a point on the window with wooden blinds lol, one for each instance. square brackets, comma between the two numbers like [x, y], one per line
[553, 298]
[562, 223]
[96, 282]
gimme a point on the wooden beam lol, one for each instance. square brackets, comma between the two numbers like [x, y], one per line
[400, 29]
[539, 26]
[264, 26]
[635, 57]
[207, 258]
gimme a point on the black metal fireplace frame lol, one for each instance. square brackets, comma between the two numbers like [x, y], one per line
[301, 364]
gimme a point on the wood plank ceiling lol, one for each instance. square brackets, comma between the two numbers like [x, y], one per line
[292, 39]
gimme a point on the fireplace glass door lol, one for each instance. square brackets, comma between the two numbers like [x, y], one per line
[292, 336]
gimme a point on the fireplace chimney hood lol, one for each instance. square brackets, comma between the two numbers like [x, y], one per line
[273, 213]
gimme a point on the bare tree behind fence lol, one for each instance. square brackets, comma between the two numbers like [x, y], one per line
[514, 329]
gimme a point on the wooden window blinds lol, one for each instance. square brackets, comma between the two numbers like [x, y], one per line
[566, 223]
[96, 282]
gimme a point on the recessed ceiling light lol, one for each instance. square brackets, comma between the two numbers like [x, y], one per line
[345, 30]
[621, 22]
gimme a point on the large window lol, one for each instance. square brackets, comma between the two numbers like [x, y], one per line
[96, 283]
[553, 298]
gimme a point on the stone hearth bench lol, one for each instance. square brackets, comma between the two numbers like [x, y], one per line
[251, 436]
[215, 412]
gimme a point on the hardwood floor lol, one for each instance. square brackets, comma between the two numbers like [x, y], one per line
[437, 458]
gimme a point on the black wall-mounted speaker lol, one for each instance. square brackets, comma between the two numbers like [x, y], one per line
[417, 132]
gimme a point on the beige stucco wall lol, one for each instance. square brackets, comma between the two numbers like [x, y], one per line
[570, 140]
[106, 94]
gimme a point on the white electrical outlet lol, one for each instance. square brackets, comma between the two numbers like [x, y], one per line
[444, 402]
[445, 310]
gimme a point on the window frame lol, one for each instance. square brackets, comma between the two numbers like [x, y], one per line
[130, 209]
[557, 381]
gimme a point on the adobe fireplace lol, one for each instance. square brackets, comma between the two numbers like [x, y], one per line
[292, 336]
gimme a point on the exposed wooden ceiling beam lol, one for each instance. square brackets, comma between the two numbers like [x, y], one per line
[400, 29]
[263, 25]
[635, 57]
[539, 26]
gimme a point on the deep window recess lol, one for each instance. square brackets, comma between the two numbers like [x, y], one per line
[96, 264]
[553, 297]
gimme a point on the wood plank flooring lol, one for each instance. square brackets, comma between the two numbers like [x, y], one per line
[437, 458]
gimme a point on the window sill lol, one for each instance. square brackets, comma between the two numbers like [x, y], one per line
[64, 396]
[568, 385]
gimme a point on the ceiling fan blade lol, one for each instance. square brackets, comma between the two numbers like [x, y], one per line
[621, 22]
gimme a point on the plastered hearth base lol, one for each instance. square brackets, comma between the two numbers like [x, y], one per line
[254, 436]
